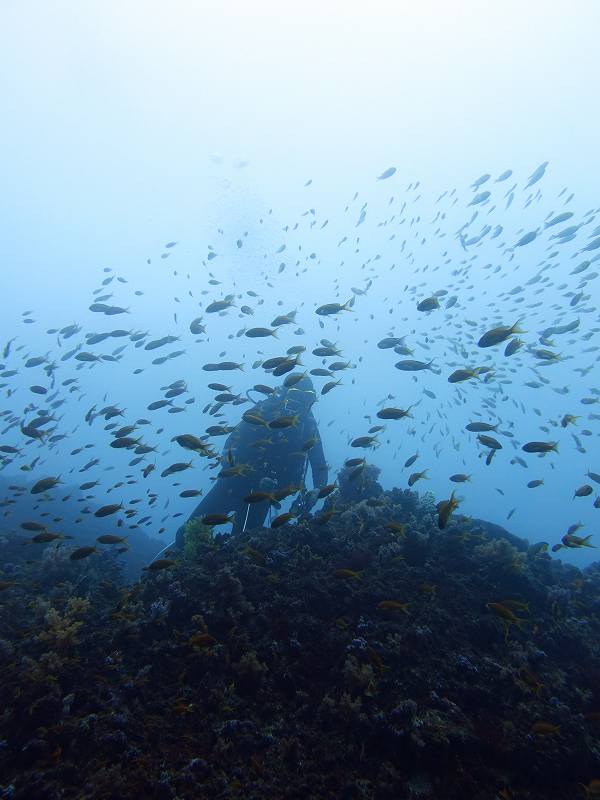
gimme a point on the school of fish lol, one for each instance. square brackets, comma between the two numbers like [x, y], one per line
[453, 367]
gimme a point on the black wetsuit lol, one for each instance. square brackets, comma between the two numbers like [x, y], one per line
[276, 454]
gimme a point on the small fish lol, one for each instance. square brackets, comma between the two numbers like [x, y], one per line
[410, 461]
[197, 327]
[539, 548]
[325, 491]
[387, 174]
[563, 217]
[583, 491]
[33, 526]
[489, 441]
[219, 305]
[190, 442]
[201, 640]
[393, 606]
[568, 419]
[106, 511]
[282, 519]
[124, 442]
[480, 427]
[417, 476]
[482, 197]
[159, 564]
[460, 375]
[47, 536]
[409, 365]
[310, 443]
[257, 333]
[259, 497]
[159, 404]
[292, 379]
[480, 181]
[350, 574]
[329, 386]
[330, 309]
[354, 462]
[429, 304]
[445, 508]
[389, 342]
[542, 728]
[109, 538]
[286, 421]
[82, 552]
[223, 366]
[506, 615]
[365, 441]
[513, 346]
[572, 541]
[44, 485]
[498, 335]
[177, 467]
[537, 174]
[540, 447]
[527, 238]
[217, 519]
[394, 413]
[395, 527]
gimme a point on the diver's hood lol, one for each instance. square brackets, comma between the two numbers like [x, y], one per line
[301, 396]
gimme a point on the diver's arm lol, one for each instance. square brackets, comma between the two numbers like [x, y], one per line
[318, 465]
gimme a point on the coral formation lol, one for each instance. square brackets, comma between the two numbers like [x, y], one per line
[352, 659]
[197, 539]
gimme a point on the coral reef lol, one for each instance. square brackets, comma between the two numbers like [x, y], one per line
[368, 656]
[197, 539]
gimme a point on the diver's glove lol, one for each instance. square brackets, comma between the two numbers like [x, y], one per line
[303, 504]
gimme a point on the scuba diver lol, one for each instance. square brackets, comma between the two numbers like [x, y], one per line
[268, 452]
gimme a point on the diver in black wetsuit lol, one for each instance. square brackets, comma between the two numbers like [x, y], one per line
[271, 459]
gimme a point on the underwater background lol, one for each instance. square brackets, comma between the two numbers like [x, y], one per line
[399, 182]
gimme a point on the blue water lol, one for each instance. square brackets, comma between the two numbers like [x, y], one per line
[127, 131]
